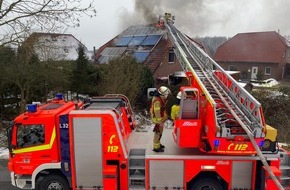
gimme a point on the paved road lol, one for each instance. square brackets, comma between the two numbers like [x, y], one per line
[5, 177]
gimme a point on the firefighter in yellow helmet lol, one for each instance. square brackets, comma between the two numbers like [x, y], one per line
[159, 115]
[176, 107]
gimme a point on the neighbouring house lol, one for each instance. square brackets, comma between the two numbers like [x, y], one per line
[257, 55]
[55, 46]
[149, 44]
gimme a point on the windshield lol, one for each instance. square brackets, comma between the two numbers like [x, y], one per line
[30, 135]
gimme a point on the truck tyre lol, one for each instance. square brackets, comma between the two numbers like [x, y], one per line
[54, 182]
[206, 184]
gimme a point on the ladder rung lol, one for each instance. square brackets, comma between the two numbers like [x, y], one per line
[137, 177]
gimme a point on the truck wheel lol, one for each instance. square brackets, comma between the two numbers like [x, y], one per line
[54, 182]
[206, 184]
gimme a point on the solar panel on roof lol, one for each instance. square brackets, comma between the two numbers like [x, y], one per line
[141, 31]
[110, 53]
[141, 56]
[136, 40]
[113, 51]
[151, 40]
[105, 59]
[124, 41]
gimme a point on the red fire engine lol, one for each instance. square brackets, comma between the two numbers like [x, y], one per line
[219, 142]
[107, 153]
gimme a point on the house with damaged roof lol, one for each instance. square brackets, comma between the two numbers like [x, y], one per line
[148, 44]
[264, 53]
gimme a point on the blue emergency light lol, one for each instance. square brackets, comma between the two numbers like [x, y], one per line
[216, 142]
[31, 108]
[59, 96]
[261, 144]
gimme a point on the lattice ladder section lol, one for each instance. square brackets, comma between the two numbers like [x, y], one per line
[227, 110]
[137, 169]
[285, 169]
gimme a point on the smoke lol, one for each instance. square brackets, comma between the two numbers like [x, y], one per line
[145, 12]
[213, 18]
[148, 10]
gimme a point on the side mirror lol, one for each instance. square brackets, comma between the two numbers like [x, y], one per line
[9, 139]
[150, 92]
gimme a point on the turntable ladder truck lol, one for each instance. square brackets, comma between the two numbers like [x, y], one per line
[105, 154]
[232, 119]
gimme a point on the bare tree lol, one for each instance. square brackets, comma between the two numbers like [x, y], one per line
[19, 18]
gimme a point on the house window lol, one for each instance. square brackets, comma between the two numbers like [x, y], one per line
[268, 71]
[171, 56]
[244, 75]
[232, 68]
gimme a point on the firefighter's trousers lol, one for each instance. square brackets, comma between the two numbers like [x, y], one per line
[157, 135]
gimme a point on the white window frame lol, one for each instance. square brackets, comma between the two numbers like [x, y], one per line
[171, 51]
[268, 73]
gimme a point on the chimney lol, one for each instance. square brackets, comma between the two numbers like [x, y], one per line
[94, 53]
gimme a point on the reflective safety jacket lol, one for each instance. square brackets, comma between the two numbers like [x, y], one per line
[158, 110]
[174, 112]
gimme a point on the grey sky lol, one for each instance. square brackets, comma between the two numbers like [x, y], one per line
[193, 17]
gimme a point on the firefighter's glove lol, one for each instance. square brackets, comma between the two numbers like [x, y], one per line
[156, 128]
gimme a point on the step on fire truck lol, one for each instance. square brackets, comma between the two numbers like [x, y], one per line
[219, 142]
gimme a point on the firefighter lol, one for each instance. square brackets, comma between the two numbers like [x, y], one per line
[159, 115]
[176, 107]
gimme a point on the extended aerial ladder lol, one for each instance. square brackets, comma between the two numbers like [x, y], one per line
[234, 106]
[237, 116]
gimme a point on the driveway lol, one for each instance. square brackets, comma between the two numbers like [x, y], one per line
[5, 176]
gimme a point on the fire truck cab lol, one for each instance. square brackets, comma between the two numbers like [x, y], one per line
[39, 145]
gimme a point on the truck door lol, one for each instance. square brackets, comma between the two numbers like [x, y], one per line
[32, 146]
